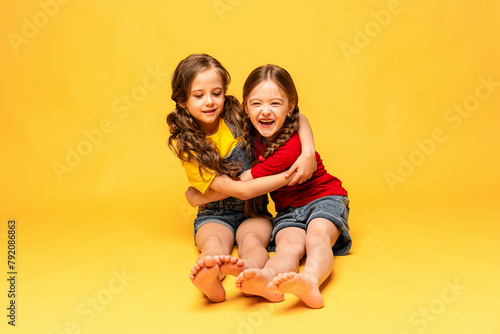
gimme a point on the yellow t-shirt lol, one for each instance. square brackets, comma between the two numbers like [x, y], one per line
[225, 142]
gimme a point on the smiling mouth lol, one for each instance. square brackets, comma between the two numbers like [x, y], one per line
[266, 123]
[210, 111]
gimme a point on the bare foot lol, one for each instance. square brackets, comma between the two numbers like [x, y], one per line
[256, 282]
[205, 276]
[301, 286]
[230, 265]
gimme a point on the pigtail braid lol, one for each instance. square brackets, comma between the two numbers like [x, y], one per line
[291, 125]
[233, 113]
[189, 143]
[248, 132]
[282, 78]
[187, 138]
[254, 205]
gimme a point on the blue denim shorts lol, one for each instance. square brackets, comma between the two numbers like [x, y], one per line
[228, 212]
[332, 208]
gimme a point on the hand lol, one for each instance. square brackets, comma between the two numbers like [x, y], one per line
[193, 197]
[303, 167]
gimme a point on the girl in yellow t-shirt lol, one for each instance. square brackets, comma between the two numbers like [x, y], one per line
[206, 135]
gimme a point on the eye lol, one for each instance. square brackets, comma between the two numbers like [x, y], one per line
[217, 93]
[255, 104]
[198, 96]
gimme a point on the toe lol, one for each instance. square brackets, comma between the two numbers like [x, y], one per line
[249, 273]
[209, 261]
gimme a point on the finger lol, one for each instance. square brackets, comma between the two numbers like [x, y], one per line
[303, 178]
[294, 180]
[292, 170]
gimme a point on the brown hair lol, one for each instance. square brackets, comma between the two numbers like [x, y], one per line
[283, 79]
[187, 139]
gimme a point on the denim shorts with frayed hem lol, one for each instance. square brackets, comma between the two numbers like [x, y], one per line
[227, 212]
[332, 208]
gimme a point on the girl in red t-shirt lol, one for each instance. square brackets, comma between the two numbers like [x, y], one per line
[312, 216]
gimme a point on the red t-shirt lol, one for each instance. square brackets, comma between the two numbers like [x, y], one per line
[321, 183]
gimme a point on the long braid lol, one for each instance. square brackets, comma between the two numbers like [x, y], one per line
[253, 205]
[282, 78]
[233, 113]
[189, 143]
[291, 125]
[187, 139]
[248, 131]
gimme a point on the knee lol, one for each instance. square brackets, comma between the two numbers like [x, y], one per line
[316, 236]
[291, 245]
[327, 235]
[251, 239]
[213, 241]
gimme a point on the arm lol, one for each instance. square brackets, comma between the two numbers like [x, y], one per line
[305, 165]
[196, 198]
[245, 190]
[223, 186]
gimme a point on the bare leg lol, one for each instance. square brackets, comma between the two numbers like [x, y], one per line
[290, 248]
[321, 236]
[213, 240]
[252, 238]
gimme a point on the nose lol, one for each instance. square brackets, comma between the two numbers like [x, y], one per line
[266, 111]
[209, 101]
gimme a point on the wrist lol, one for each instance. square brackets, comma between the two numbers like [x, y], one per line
[309, 151]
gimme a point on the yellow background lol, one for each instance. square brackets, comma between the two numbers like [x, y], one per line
[380, 82]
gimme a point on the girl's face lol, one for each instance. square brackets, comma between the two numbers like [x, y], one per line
[267, 107]
[206, 100]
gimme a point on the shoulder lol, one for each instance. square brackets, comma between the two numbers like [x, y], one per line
[289, 151]
[294, 139]
[293, 144]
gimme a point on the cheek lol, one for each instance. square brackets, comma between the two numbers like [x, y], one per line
[252, 119]
[192, 103]
[253, 116]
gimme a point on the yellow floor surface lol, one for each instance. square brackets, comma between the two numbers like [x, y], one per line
[412, 269]
[403, 97]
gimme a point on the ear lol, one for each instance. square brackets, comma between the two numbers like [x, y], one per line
[292, 106]
[183, 105]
